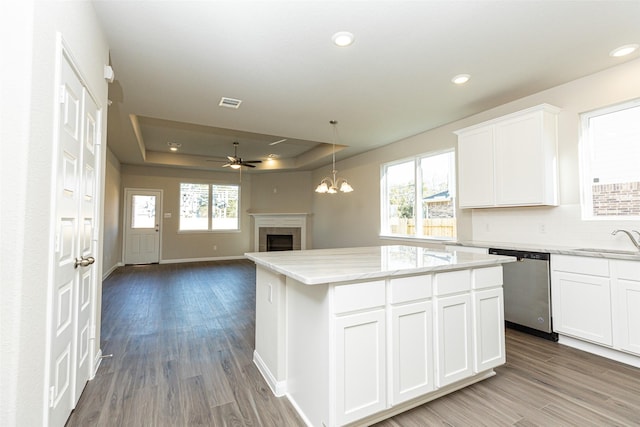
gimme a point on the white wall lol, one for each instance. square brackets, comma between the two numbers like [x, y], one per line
[354, 219]
[29, 34]
[112, 220]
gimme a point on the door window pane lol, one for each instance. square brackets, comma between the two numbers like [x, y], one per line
[194, 206]
[143, 213]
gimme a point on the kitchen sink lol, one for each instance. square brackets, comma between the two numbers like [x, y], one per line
[609, 251]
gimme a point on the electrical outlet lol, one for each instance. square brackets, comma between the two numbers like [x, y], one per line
[542, 228]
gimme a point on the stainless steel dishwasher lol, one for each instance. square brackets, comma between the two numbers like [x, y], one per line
[527, 292]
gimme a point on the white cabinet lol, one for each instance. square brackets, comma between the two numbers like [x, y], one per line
[360, 350]
[360, 365]
[509, 161]
[476, 168]
[454, 339]
[488, 318]
[411, 337]
[581, 298]
[454, 342]
[626, 285]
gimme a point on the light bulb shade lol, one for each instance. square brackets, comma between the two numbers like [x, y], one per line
[332, 190]
[322, 188]
[345, 187]
[236, 166]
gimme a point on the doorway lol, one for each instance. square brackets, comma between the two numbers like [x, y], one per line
[142, 226]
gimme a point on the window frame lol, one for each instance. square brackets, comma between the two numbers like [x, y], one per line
[210, 218]
[585, 147]
[385, 228]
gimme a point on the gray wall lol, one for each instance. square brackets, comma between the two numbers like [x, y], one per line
[112, 219]
[279, 192]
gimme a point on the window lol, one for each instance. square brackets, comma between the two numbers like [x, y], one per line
[209, 207]
[425, 210]
[609, 151]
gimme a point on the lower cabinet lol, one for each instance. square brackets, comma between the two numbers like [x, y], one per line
[360, 365]
[412, 350]
[597, 300]
[626, 292]
[402, 339]
[454, 339]
[582, 306]
[488, 314]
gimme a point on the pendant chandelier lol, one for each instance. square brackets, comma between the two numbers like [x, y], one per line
[332, 184]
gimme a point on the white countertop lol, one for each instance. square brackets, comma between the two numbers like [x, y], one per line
[317, 266]
[631, 255]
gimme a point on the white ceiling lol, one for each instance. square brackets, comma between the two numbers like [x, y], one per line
[174, 60]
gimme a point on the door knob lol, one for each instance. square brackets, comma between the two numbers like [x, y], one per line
[84, 261]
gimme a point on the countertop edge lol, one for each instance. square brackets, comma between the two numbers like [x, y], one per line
[355, 277]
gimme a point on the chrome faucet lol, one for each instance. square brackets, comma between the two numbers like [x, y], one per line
[635, 242]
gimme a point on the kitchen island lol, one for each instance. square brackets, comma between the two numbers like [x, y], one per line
[355, 335]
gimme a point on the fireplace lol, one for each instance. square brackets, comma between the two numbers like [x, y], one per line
[279, 242]
[286, 232]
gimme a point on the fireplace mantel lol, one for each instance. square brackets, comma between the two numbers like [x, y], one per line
[279, 220]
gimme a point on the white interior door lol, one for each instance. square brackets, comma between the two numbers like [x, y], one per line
[142, 226]
[74, 276]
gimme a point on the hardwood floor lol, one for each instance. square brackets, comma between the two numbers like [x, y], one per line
[182, 339]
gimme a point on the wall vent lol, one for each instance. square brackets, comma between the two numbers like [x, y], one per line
[230, 102]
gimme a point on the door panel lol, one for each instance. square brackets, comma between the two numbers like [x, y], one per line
[63, 320]
[142, 226]
[72, 300]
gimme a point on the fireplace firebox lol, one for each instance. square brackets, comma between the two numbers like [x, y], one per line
[279, 242]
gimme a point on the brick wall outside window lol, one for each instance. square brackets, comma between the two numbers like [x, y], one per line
[616, 199]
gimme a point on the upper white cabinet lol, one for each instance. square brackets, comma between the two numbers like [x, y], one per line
[509, 161]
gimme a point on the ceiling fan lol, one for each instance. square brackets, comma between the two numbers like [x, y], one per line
[236, 162]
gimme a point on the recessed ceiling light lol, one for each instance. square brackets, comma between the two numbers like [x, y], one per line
[173, 146]
[343, 38]
[461, 79]
[623, 50]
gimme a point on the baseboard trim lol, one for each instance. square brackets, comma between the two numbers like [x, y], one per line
[220, 258]
[96, 363]
[278, 388]
[111, 270]
[609, 353]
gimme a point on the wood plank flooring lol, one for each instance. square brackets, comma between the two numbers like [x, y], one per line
[182, 341]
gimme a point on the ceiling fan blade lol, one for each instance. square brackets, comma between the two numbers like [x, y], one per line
[247, 165]
[232, 158]
[252, 161]
[226, 165]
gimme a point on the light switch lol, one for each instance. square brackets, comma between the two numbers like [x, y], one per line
[167, 214]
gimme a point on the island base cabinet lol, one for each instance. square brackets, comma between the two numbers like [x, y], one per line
[454, 339]
[360, 365]
[488, 308]
[412, 351]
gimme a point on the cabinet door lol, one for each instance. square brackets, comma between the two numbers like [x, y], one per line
[412, 350]
[454, 359]
[360, 365]
[475, 168]
[519, 161]
[628, 316]
[582, 306]
[488, 313]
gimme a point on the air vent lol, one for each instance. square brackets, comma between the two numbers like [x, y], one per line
[230, 102]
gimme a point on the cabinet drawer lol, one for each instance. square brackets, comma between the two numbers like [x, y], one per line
[405, 289]
[583, 265]
[490, 277]
[452, 282]
[359, 296]
[629, 270]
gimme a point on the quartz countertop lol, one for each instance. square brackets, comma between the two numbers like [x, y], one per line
[317, 266]
[552, 249]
